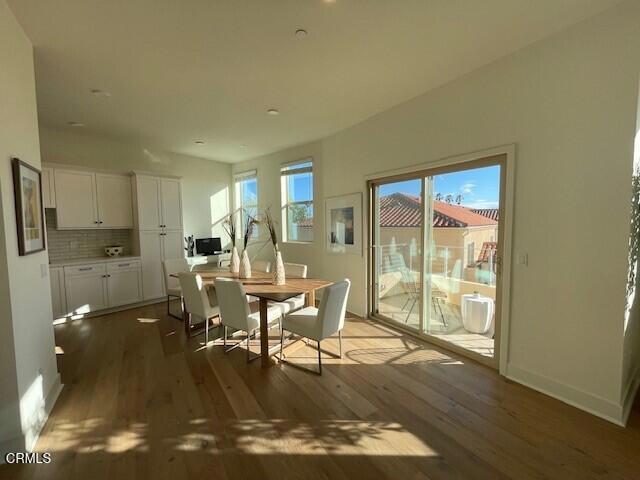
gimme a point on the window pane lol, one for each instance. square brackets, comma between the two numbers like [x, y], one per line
[300, 187]
[249, 190]
[300, 222]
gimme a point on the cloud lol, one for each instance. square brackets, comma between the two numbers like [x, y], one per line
[467, 188]
[481, 204]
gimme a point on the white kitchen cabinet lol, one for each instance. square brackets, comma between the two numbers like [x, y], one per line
[115, 205]
[124, 283]
[148, 200]
[76, 201]
[172, 245]
[58, 296]
[48, 188]
[155, 248]
[87, 200]
[151, 243]
[159, 202]
[171, 204]
[86, 288]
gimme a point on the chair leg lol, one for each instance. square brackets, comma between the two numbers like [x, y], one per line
[224, 337]
[206, 332]
[168, 309]
[340, 341]
[281, 343]
[319, 359]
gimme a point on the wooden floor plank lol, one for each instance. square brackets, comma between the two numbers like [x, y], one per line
[143, 401]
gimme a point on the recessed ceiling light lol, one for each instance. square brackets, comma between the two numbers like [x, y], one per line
[273, 111]
[75, 124]
[199, 142]
[329, 1]
[100, 93]
[301, 33]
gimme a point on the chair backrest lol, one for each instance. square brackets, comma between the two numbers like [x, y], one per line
[232, 300]
[171, 267]
[195, 296]
[261, 266]
[295, 270]
[197, 260]
[333, 307]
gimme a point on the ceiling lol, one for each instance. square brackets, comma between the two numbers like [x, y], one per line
[180, 71]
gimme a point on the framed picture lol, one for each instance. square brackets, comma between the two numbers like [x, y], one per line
[343, 219]
[27, 188]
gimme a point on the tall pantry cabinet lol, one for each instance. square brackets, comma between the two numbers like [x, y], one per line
[158, 228]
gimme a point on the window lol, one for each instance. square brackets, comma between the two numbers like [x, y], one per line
[297, 201]
[246, 198]
[471, 252]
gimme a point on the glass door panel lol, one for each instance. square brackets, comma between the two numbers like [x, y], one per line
[398, 251]
[436, 253]
[460, 278]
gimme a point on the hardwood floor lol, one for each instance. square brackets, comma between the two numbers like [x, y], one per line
[141, 401]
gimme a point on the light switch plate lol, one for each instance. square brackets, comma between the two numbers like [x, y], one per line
[523, 259]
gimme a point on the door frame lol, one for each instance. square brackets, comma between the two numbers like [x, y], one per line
[505, 157]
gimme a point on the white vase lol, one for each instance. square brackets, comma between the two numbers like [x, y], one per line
[234, 265]
[278, 272]
[245, 266]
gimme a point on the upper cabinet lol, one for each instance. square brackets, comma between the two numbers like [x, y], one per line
[48, 188]
[86, 200]
[159, 202]
[114, 201]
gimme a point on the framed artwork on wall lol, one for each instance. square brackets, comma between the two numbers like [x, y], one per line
[27, 188]
[343, 222]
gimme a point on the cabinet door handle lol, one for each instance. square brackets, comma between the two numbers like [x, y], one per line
[95, 221]
[124, 264]
[85, 269]
[101, 221]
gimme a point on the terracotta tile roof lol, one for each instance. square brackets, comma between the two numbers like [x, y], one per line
[492, 213]
[488, 249]
[401, 210]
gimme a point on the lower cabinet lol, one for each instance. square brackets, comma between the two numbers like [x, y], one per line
[97, 286]
[124, 283]
[58, 296]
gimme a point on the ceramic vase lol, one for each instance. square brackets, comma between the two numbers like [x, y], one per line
[245, 266]
[278, 272]
[234, 265]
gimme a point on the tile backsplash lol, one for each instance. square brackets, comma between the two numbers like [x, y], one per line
[79, 244]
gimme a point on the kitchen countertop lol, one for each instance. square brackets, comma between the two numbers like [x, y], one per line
[84, 261]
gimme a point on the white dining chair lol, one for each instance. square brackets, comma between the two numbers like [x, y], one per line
[198, 301]
[292, 270]
[172, 267]
[235, 312]
[261, 266]
[319, 323]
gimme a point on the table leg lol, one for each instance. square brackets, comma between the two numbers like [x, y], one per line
[311, 298]
[185, 317]
[264, 335]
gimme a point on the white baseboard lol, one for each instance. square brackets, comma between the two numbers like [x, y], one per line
[629, 394]
[19, 443]
[588, 402]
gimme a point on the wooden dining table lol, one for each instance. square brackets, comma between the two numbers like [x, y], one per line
[261, 285]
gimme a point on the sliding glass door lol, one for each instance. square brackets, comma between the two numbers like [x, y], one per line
[435, 254]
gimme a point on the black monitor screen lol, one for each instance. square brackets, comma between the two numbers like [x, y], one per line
[208, 246]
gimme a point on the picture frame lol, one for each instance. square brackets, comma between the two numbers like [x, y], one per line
[343, 224]
[27, 189]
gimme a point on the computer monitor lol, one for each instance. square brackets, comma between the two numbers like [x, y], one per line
[208, 246]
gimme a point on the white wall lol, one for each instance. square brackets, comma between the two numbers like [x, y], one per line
[569, 104]
[27, 355]
[205, 183]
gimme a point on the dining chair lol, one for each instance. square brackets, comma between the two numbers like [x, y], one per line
[261, 266]
[292, 270]
[198, 301]
[172, 267]
[235, 312]
[319, 323]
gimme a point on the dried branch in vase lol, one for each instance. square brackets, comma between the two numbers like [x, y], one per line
[229, 225]
[271, 226]
[248, 230]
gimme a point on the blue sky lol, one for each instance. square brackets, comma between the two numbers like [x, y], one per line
[479, 187]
